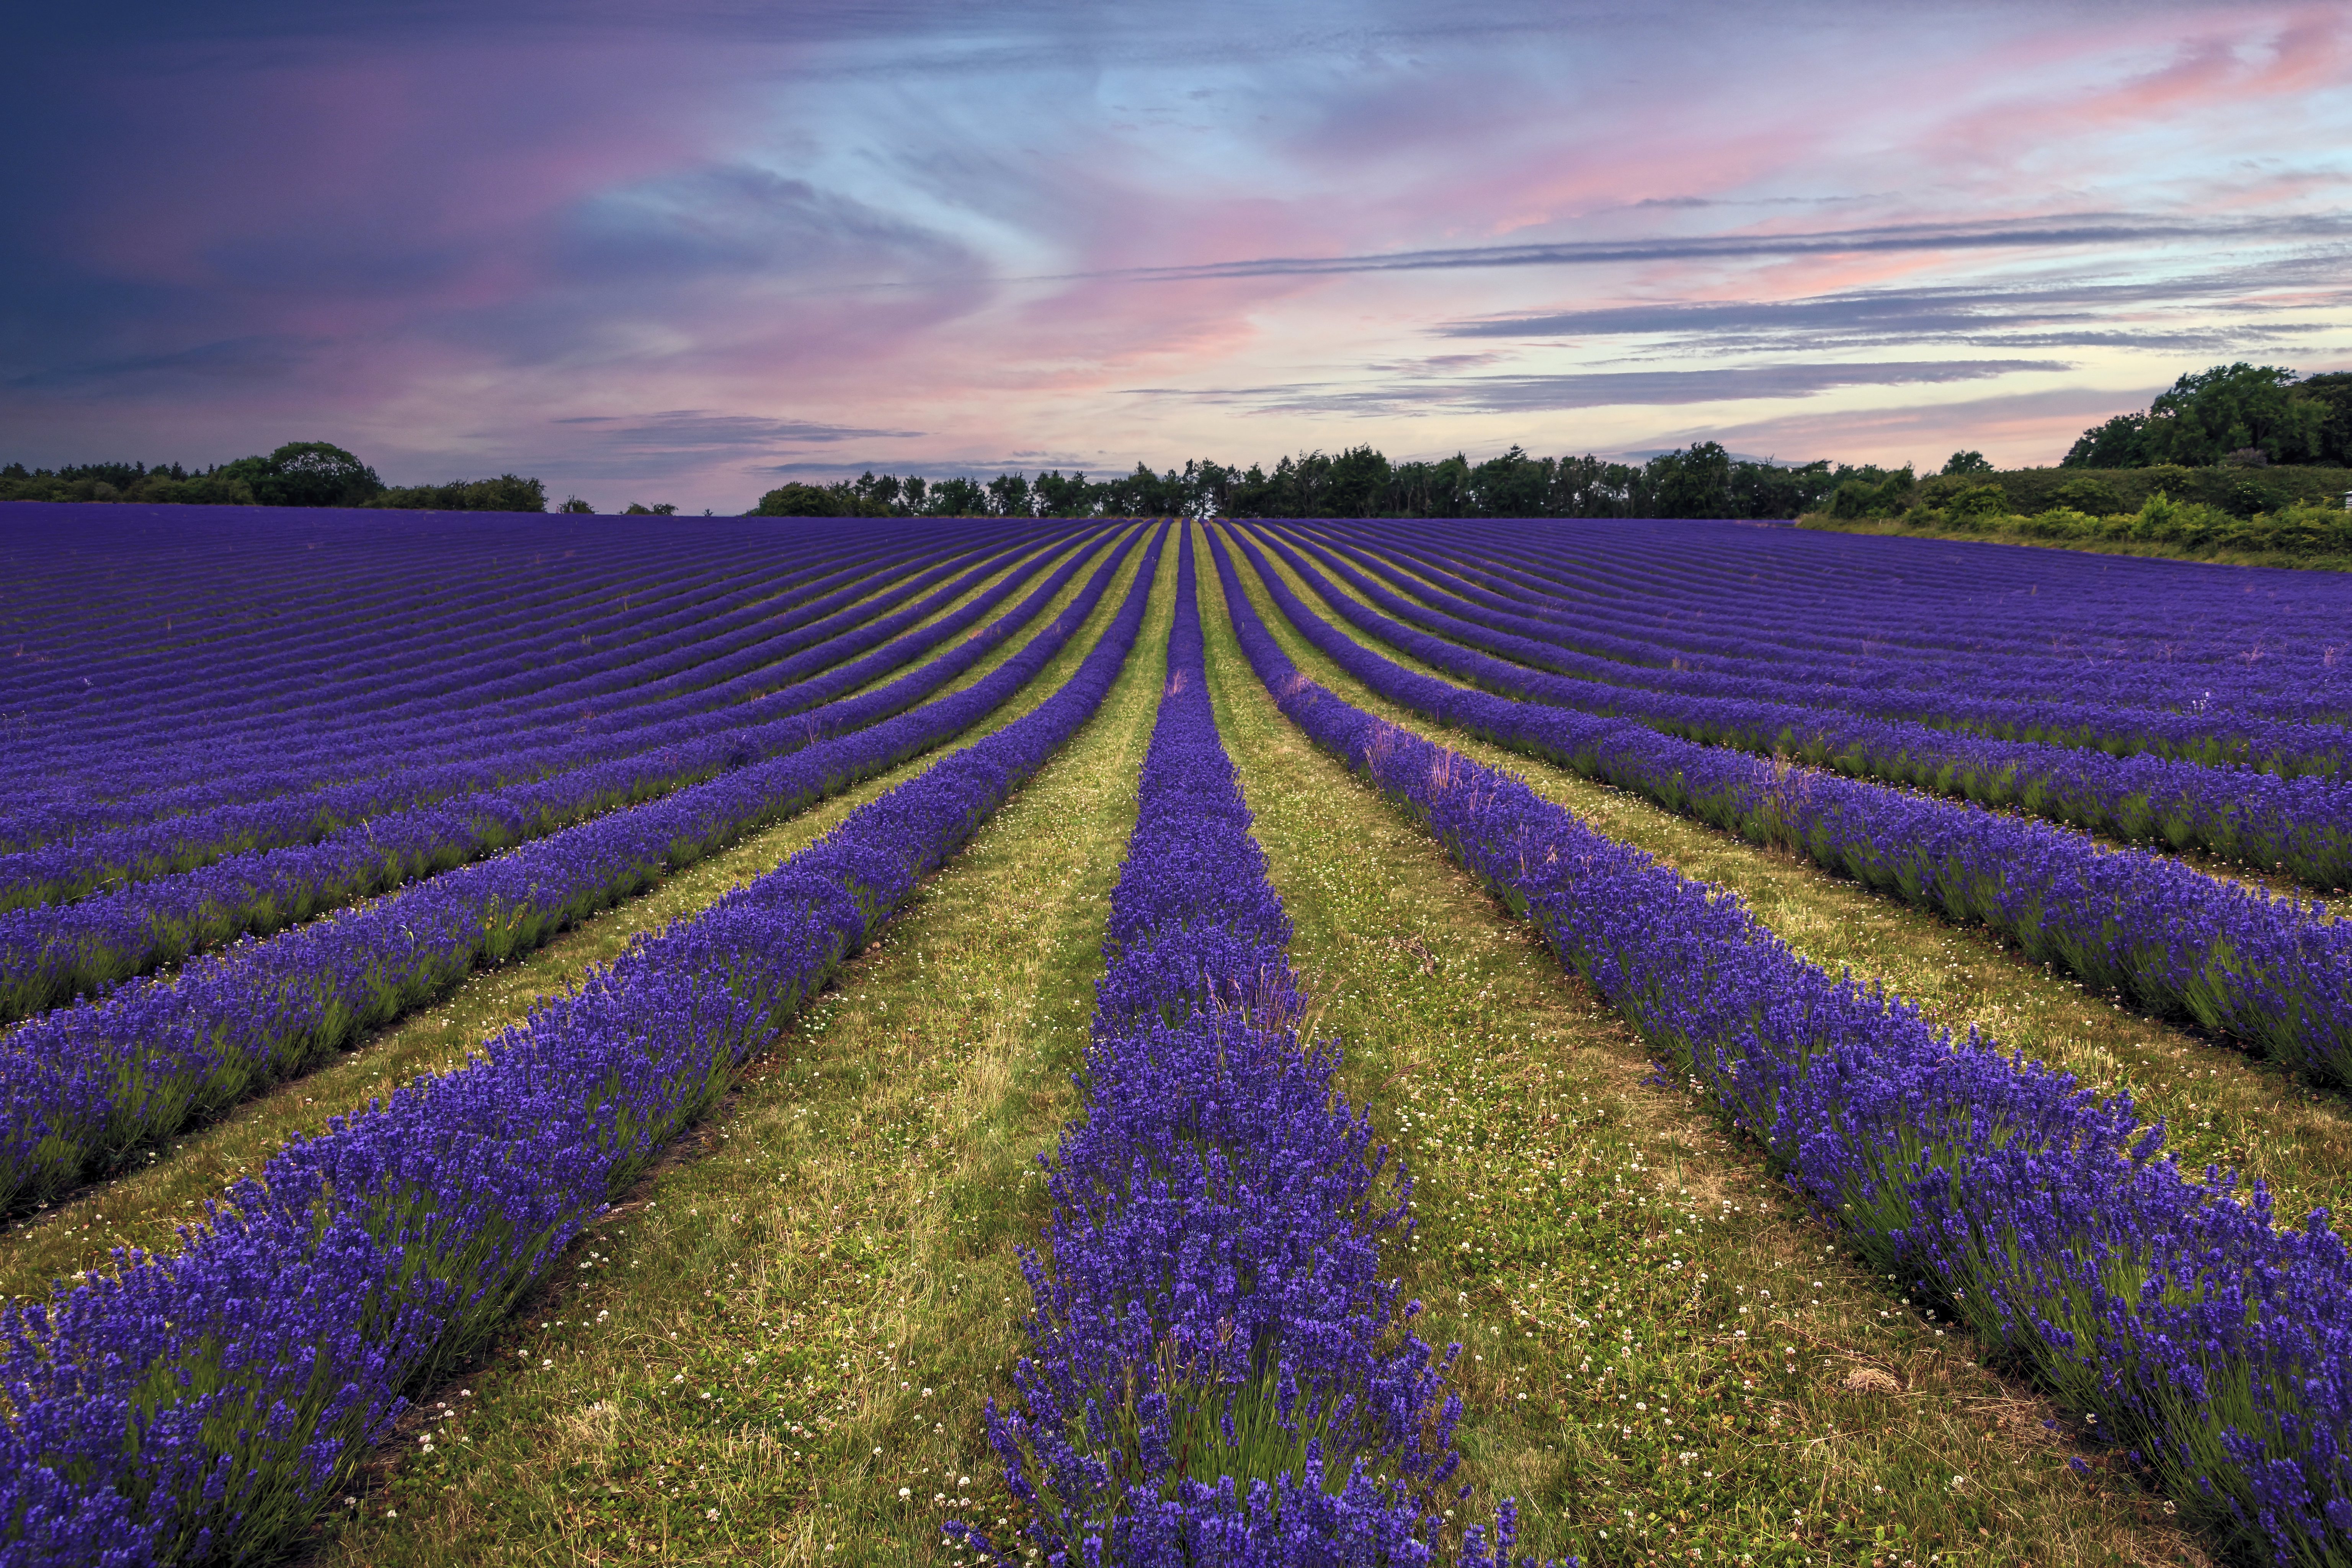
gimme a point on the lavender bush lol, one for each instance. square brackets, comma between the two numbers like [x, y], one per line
[84, 1084]
[2274, 973]
[1217, 1372]
[2301, 824]
[2050, 1221]
[47, 953]
[185, 771]
[200, 1407]
[2124, 656]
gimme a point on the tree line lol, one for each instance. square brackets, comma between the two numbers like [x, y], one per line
[300, 473]
[1705, 480]
[2231, 416]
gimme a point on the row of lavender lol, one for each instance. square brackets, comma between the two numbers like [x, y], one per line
[81, 1086]
[154, 750]
[225, 671]
[2048, 1220]
[343, 735]
[2268, 970]
[245, 593]
[1217, 1372]
[2301, 824]
[203, 1406]
[48, 953]
[1914, 619]
[293, 802]
[2166, 704]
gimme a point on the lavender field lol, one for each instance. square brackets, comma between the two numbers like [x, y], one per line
[1085, 1041]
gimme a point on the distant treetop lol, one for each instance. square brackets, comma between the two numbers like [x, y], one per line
[2238, 412]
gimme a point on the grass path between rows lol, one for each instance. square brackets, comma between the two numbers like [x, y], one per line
[143, 1208]
[805, 1311]
[2223, 1105]
[1663, 1354]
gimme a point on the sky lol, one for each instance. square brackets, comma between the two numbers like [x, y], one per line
[686, 253]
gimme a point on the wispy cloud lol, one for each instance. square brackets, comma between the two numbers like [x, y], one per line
[1922, 312]
[261, 357]
[2082, 230]
[1600, 389]
[692, 429]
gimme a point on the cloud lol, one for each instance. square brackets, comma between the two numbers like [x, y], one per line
[742, 220]
[1893, 315]
[1600, 389]
[2063, 231]
[692, 429]
[261, 357]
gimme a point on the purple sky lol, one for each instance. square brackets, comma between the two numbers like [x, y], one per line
[677, 253]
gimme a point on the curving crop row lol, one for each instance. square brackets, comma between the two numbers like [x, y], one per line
[49, 953]
[2273, 971]
[2049, 1221]
[250, 626]
[84, 1084]
[1217, 1372]
[2299, 824]
[395, 642]
[296, 809]
[1961, 704]
[203, 1406]
[332, 749]
[2168, 642]
[115, 792]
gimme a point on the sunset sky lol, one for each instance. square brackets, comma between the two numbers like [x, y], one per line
[681, 253]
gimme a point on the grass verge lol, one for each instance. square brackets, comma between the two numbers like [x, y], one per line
[2151, 549]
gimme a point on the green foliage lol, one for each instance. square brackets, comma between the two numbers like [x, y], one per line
[2221, 512]
[817, 500]
[1968, 462]
[638, 509]
[505, 493]
[300, 473]
[1704, 480]
[307, 473]
[2119, 443]
[2092, 495]
[1871, 491]
[2250, 413]
[574, 503]
[1979, 500]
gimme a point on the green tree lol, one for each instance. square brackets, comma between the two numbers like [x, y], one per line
[957, 498]
[2331, 393]
[2117, 443]
[2205, 416]
[1694, 483]
[1968, 462]
[1513, 485]
[307, 473]
[2092, 494]
[508, 493]
[1008, 495]
[797, 500]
